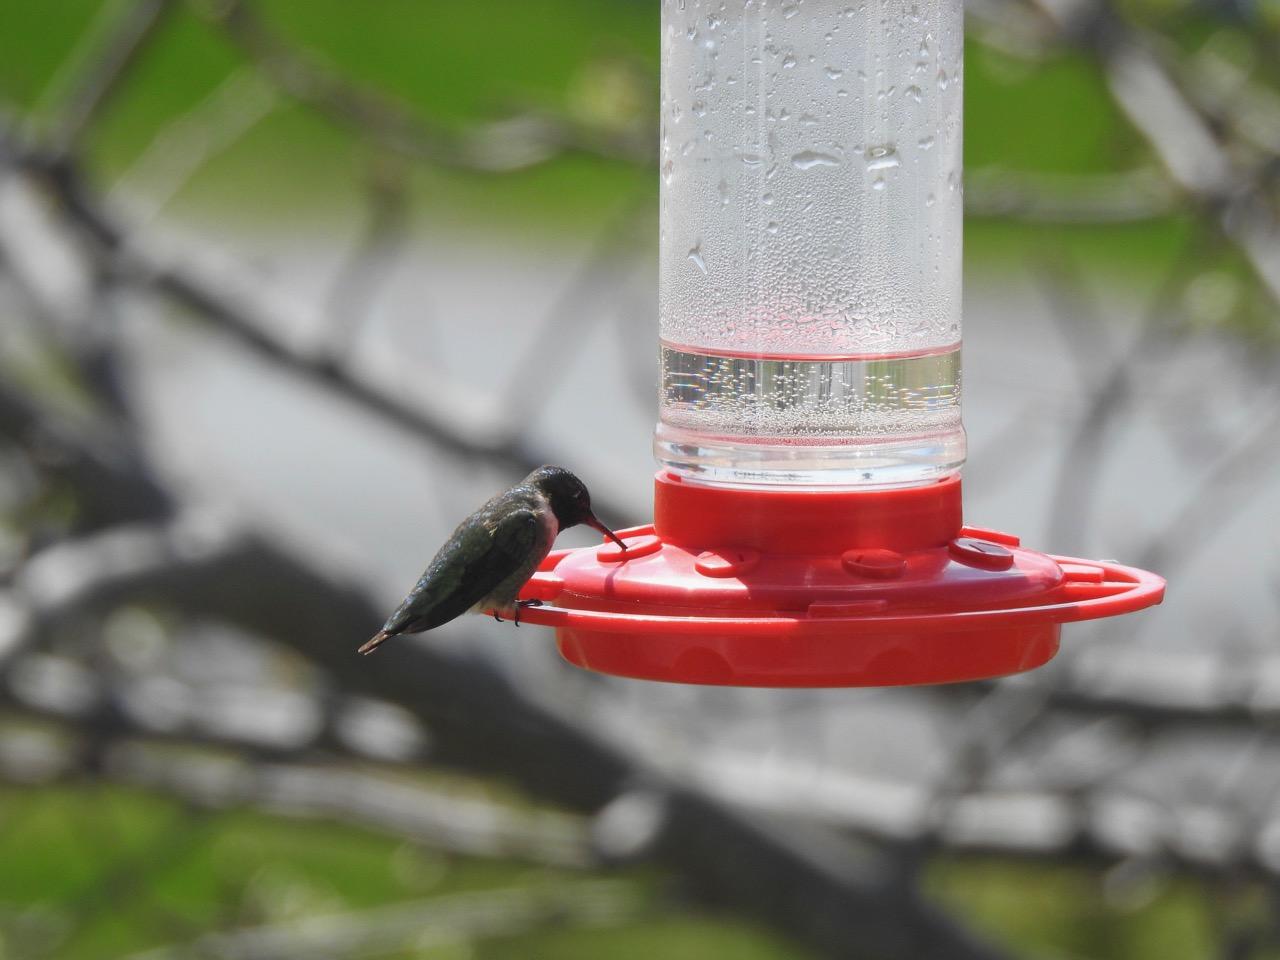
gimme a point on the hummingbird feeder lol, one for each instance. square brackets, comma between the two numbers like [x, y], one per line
[807, 526]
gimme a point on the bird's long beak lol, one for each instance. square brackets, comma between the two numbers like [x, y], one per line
[591, 521]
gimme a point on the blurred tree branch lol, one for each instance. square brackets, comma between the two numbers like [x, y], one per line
[436, 921]
[502, 146]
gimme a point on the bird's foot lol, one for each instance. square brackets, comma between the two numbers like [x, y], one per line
[520, 605]
[515, 610]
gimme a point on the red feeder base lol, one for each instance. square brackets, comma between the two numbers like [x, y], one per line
[811, 588]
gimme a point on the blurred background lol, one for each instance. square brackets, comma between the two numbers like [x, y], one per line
[289, 286]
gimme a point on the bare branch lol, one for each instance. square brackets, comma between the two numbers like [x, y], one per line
[105, 70]
[384, 235]
[95, 458]
[1184, 139]
[184, 145]
[452, 417]
[504, 146]
[1093, 198]
[422, 924]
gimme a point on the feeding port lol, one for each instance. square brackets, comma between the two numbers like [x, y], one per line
[808, 521]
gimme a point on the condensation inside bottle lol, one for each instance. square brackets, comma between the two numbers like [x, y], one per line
[811, 241]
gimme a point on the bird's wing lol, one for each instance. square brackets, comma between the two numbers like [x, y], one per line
[467, 570]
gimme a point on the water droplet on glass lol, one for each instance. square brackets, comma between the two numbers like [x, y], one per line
[883, 157]
[722, 189]
[695, 257]
[878, 183]
[699, 108]
[943, 81]
[834, 74]
[913, 92]
[808, 159]
[930, 200]
[925, 143]
[772, 228]
[766, 199]
[751, 160]
[788, 62]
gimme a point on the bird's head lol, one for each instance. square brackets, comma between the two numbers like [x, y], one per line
[569, 499]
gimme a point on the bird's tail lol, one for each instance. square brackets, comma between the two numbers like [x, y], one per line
[374, 642]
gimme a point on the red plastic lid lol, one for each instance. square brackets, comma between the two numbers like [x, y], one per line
[759, 587]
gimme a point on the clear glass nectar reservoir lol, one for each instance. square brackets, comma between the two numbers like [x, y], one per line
[811, 240]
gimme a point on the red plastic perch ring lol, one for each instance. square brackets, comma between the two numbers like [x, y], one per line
[809, 588]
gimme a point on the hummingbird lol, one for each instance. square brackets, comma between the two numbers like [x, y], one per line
[493, 553]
